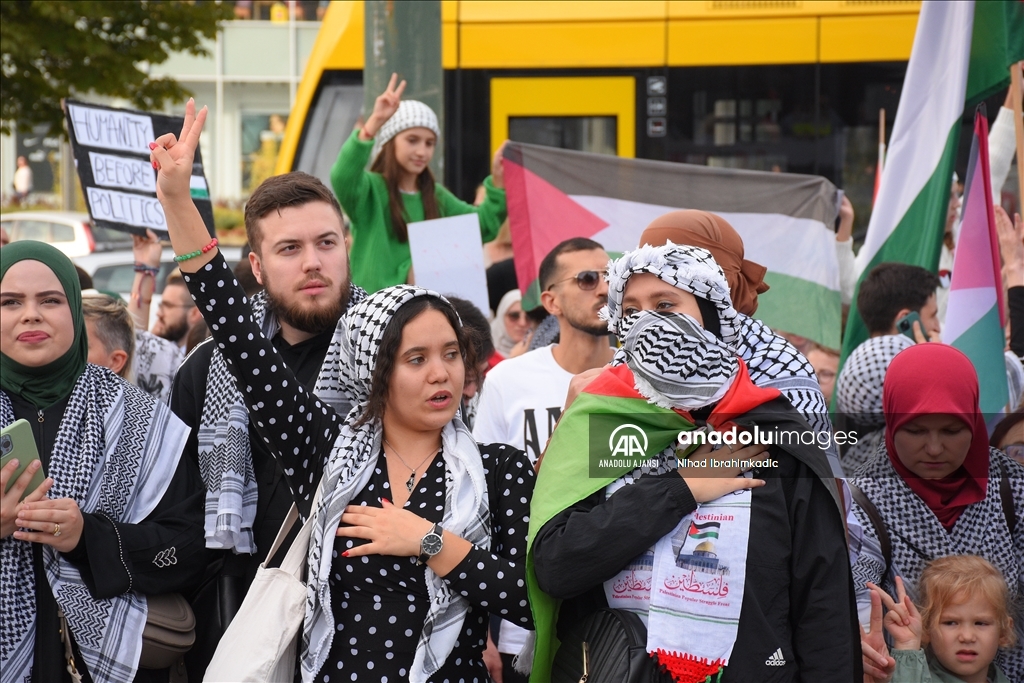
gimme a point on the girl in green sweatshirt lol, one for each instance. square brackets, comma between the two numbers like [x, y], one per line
[963, 622]
[400, 138]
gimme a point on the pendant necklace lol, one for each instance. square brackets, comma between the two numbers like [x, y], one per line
[412, 476]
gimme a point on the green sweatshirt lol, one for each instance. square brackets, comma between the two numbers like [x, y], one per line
[378, 259]
[913, 666]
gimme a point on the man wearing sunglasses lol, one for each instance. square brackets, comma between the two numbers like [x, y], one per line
[522, 398]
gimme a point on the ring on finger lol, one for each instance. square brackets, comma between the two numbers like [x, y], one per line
[56, 529]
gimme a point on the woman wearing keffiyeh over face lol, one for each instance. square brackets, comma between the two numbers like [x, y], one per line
[751, 573]
[120, 516]
[419, 531]
[772, 361]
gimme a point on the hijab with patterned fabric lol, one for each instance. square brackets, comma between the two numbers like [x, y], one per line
[225, 455]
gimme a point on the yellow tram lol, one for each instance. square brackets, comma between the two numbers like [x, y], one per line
[787, 85]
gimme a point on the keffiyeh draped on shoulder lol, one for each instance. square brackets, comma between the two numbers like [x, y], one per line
[354, 354]
[859, 394]
[116, 452]
[225, 456]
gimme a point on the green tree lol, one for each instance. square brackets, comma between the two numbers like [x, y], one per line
[53, 49]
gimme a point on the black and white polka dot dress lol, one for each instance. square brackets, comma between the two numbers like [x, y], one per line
[383, 599]
[379, 602]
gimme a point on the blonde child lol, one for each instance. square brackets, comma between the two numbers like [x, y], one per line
[963, 621]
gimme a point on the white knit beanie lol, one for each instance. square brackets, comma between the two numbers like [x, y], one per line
[410, 114]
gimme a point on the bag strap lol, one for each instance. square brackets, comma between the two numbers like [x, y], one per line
[282, 533]
[1006, 497]
[876, 521]
[289, 522]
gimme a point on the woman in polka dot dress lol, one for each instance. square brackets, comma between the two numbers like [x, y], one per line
[397, 473]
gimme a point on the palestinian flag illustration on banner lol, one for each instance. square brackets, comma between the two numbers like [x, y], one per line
[705, 530]
[786, 221]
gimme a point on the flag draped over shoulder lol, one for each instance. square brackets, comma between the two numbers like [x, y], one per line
[785, 219]
[962, 53]
[565, 477]
[974, 318]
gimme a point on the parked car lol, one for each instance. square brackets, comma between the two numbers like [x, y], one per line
[114, 271]
[72, 232]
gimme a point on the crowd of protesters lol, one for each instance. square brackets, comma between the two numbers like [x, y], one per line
[458, 531]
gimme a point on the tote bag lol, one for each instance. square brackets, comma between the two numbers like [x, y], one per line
[260, 645]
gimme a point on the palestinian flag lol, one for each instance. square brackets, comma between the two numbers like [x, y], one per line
[786, 222]
[974, 317]
[962, 54]
[705, 530]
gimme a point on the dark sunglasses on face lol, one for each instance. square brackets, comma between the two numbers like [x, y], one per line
[516, 315]
[585, 279]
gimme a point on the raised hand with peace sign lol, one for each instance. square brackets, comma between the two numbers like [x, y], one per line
[172, 157]
[384, 108]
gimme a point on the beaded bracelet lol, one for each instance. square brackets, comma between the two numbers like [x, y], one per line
[200, 252]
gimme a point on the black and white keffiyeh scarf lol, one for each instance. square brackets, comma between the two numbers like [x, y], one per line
[859, 394]
[225, 457]
[348, 469]
[154, 364]
[917, 536]
[771, 360]
[676, 363]
[116, 451]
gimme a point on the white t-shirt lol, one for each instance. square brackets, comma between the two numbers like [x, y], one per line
[521, 400]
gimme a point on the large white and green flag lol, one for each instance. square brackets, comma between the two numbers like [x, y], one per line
[962, 53]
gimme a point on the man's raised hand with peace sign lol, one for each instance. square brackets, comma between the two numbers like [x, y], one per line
[172, 158]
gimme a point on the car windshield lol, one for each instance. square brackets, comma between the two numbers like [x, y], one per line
[120, 277]
[107, 236]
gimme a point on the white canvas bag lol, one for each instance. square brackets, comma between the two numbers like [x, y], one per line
[260, 645]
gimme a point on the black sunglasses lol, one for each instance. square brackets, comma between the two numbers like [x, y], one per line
[585, 279]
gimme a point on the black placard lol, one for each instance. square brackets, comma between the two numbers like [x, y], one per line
[111, 149]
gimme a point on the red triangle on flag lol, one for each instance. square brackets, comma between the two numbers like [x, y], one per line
[540, 217]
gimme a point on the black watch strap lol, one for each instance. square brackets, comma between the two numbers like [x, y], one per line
[431, 544]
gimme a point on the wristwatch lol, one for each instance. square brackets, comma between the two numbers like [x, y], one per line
[431, 544]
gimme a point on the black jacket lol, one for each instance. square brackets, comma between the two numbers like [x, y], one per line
[113, 561]
[799, 590]
[228, 575]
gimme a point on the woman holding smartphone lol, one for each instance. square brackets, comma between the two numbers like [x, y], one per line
[120, 515]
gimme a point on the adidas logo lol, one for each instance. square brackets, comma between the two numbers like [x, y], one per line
[776, 659]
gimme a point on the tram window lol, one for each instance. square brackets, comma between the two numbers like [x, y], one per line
[329, 123]
[582, 133]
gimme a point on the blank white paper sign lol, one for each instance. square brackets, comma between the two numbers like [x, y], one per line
[448, 257]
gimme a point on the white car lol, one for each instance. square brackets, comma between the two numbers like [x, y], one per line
[114, 271]
[72, 232]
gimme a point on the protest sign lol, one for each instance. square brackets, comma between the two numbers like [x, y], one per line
[111, 149]
[447, 257]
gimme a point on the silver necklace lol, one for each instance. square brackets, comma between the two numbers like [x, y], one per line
[412, 476]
